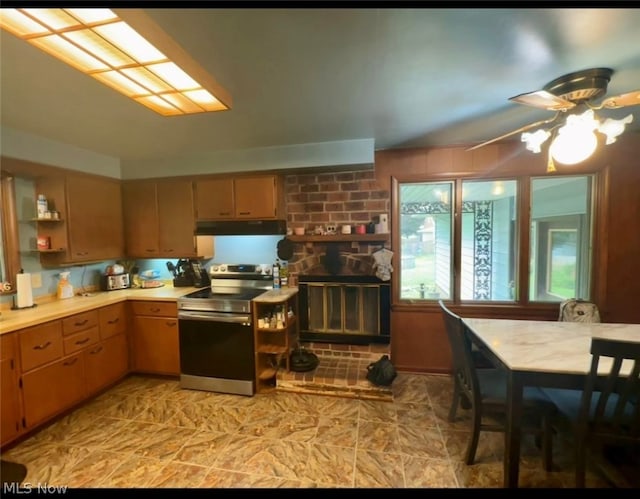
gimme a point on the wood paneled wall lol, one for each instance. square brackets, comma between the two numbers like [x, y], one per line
[418, 338]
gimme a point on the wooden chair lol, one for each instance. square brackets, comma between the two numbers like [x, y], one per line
[607, 410]
[485, 390]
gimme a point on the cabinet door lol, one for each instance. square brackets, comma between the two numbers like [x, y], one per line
[214, 199]
[106, 362]
[94, 218]
[156, 346]
[176, 218]
[50, 389]
[255, 197]
[10, 412]
[112, 320]
[140, 219]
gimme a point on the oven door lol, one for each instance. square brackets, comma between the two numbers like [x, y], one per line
[216, 352]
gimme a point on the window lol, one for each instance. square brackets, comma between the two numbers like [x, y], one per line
[488, 248]
[489, 242]
[426, 223]
[560, 238]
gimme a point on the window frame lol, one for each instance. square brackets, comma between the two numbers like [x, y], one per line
[522, 235]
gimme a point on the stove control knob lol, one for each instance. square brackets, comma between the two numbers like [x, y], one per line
[214, 268]
[223, 268]
[267, 270]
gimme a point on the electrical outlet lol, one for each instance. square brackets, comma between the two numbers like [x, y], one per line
[36, 280]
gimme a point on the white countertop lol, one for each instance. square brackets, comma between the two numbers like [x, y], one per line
[12, 320]
[548, 346]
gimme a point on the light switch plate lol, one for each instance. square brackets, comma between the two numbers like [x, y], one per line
[36, 280]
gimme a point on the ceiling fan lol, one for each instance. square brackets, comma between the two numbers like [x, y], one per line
[572, 98]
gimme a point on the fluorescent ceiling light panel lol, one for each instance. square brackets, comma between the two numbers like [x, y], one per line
[100, 43]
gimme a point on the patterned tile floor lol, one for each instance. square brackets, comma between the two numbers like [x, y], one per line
[146, 432]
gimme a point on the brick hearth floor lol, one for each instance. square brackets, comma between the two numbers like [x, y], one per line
[341, 371]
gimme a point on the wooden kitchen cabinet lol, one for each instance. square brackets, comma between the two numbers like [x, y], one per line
[215, 199]
[251, 197]
[65, 361]
[106, 362]
[51, 382]
[50, 389]
[159, 219]
[275, 334]
[10, 407]
[90, 226]
[156, 347]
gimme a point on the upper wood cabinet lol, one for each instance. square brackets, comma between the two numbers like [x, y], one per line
[90, 210]
[251, 197]
[159, 219]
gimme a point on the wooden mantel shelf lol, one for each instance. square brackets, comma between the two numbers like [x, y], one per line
[340, 238]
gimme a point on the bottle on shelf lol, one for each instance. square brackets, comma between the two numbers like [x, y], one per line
[276, 274]
[42, 206]
[284, 274]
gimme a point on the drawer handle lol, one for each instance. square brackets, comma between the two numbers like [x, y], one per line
[245, 213]
[170, 323]
[43, 346]
[155, 310]
[114, 321]
[82, 342]
[81, 323]
[97, 350]
[149, 250]
[70, 362]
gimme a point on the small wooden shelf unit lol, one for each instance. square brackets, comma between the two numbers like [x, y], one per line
[275, 334]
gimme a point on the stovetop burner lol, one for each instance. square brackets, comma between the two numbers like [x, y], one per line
[231, 294]
[233, 286]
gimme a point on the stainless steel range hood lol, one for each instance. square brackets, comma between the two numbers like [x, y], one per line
[241, 228]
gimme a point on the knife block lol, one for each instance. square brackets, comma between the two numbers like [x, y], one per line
[182, 282]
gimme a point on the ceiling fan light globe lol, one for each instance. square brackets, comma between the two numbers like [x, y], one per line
[535, 140]
[612, 128]
[573, 146]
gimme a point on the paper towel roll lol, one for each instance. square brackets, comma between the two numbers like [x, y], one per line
[24, 294]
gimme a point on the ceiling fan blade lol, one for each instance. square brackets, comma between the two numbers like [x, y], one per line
[623, 100]
[543, 100]
[519, 130]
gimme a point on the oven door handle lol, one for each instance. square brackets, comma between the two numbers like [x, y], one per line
[214, 317]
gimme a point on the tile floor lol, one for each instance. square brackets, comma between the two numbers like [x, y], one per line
[146, 432]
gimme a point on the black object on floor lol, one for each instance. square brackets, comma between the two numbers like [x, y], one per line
[302, 360]
[12, 472]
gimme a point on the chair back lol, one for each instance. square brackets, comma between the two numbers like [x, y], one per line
[610, 406]
[463, 366]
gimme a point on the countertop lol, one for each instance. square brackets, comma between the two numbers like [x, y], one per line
[12, 320]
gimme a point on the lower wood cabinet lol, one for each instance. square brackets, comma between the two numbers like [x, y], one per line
[10, 408]
[106, 362]
[155, 338]
[50, 389]
[48, 368]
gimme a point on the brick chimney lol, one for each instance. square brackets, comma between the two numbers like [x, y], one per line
[340, 198]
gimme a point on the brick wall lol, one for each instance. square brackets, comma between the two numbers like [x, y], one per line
[340, 198]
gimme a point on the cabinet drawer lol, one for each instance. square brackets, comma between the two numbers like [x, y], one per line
[112, 320]
[83, 339]
[40, 344]
[78, 322]
[155, 308]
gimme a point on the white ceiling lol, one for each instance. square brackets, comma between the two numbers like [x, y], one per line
[401, 77]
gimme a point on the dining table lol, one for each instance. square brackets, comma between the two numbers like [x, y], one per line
[544, 354]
